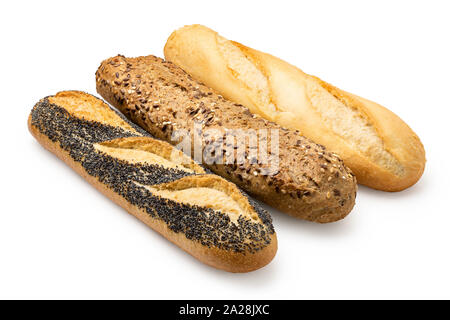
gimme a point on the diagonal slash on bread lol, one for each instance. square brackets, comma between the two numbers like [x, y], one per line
[205, 215]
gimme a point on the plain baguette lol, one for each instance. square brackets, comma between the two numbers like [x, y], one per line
[309, 183]
[205, 215]
[382, 151]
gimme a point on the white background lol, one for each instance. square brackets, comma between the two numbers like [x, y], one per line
[60, 238]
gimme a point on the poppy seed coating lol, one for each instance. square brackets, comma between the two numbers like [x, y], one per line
[210, 228]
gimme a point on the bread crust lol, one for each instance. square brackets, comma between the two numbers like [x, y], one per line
[228, 260]
[196, 49]
[310, 183]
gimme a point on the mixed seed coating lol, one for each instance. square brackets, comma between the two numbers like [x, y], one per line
[308, 180]
[211, 228]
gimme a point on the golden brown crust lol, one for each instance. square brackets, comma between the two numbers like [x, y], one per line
[309, 183]
[228, 260]
[398, 139]
[382, 151]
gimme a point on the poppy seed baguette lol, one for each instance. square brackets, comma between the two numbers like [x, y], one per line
[205, 215]
[309, 183]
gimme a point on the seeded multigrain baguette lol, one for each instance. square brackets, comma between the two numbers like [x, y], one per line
[380, 148]
[205, 215]
[307, 181]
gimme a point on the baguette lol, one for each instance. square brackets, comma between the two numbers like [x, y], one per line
[307, 181]
[205, 215]
[381, 150]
